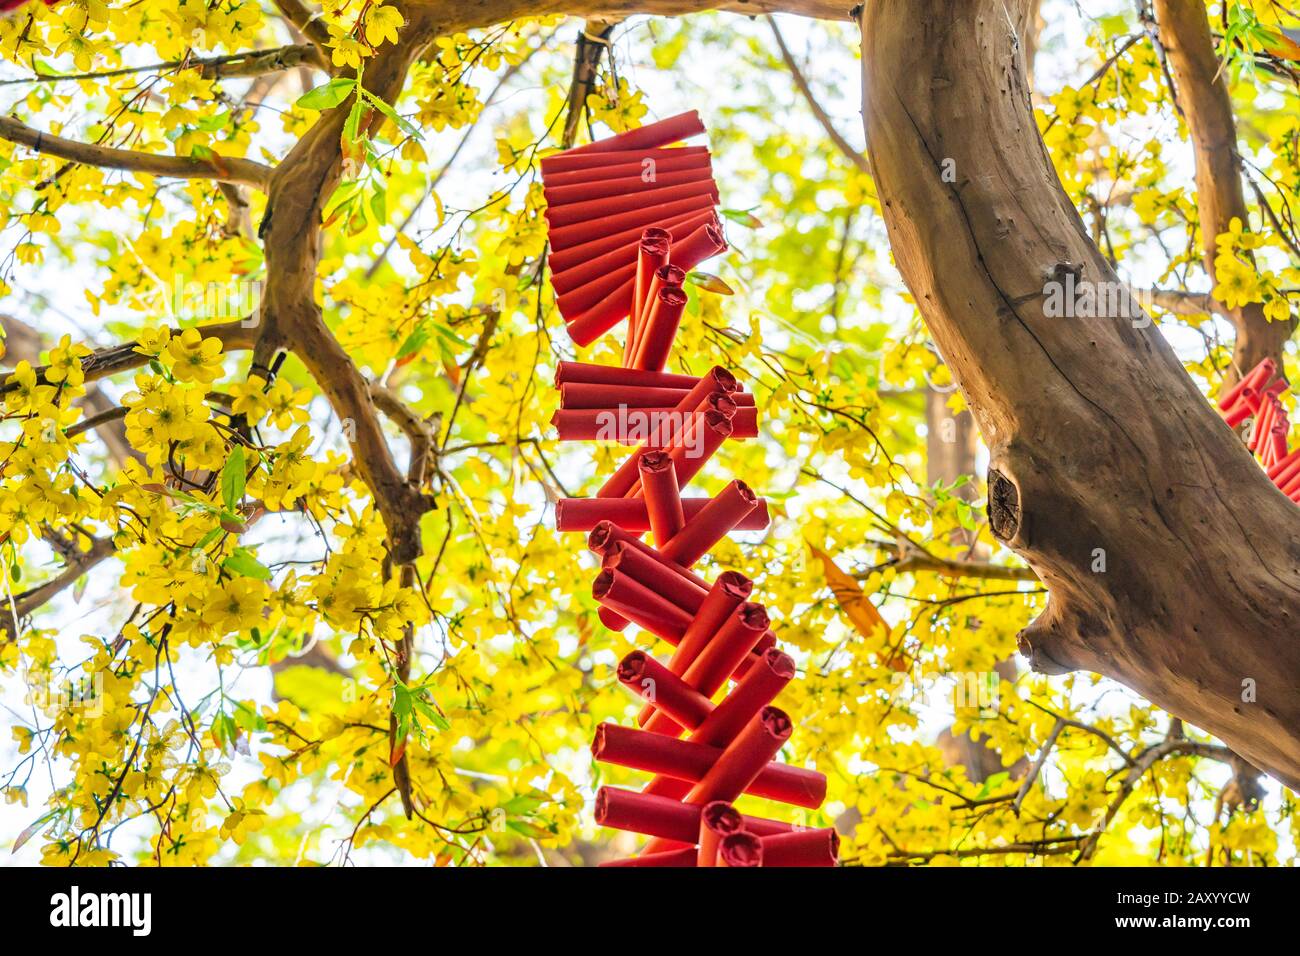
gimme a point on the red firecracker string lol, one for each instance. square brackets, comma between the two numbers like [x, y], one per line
[8, 6]
[629, 217]
[1257, 399]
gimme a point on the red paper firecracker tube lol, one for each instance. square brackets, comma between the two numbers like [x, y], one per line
[593, 395]
[583, 159]
[1255, 378]
[663, 818]
[716, 379]
[740, 850]
[751, 694]
[721, 656]
[650, 680]
[664, 315]
[652, 254]
[626, 377]
[819, 847]
[729, 590]
[704, 243]
[685, 857]
[674, 129]
[580, 233]
[608, 207]
[559, 195]
[574, 257]
[717, 820]
[630, 164]
[667, 275]
[632, 426]
[739, 765]
[685, 760]
[711, 525]
[662, 497]
[605, 535]
[655, 574]
[583, 514]
[627, 597]
[691, 449]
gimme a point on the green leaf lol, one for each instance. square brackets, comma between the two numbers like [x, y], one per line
[526, 829]
[210, 124]
[708, 282]
[399, 121]
[992, 783]
[414, 342]
[225, 731]
[248, 718]
[448, 335]
[743, 217]
[352, 128]
[32, 830]
[329, 95]
[403, 708]
[524, 804]
[243, 563]
[233, 475]
[431, 714]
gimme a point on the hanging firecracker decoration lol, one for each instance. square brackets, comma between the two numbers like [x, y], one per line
[1257, 399]
[629, 218]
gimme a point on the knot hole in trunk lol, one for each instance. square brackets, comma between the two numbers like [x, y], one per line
[1004, 506]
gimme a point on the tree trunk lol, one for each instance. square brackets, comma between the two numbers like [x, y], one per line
[1173, 564]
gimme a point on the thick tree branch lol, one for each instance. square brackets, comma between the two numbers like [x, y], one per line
[122, 358]
[1202, 95]
[1183, 303]
[113, 414]
[222, 168]
[24, 604]
[961, 569]
[238, 223]
[23, 343]
[419, 433]
[246, 63]
[1171, 560]
[291, 317]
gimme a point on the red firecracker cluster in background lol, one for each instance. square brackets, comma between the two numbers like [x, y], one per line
[7, 6]
[1257, 398]
[629, 217]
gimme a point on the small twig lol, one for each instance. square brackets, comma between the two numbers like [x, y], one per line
[229, 169]
[1028, 783]
[844, 146]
